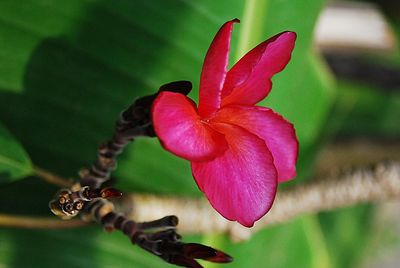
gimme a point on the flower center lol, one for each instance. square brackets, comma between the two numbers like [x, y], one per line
[205, 121]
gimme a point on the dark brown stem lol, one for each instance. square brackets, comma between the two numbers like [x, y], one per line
[158, 237]
[133, 122]
[126, 129]
[51, 177]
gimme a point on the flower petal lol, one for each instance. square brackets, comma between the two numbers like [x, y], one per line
[181, 131]
[276, 131]
[241, 183]
[249, 80]
[214, 70]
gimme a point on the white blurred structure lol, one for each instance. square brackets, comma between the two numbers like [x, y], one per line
[353, 26]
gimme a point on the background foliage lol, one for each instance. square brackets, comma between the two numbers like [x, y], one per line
[67, 68]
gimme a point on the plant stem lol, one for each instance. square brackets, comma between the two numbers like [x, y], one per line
[361, 185]
[51, 178]
[38, 222]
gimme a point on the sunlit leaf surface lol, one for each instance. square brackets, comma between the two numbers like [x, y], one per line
[14, 162]
[67, 68]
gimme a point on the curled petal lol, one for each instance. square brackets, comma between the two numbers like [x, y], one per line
[241, 183]
[214, 70]
[276, 131]
[249, 80]
[181, 131]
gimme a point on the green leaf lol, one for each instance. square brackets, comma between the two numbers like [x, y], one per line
[85, 247]
[72, 71]
[297, 243]
[366, 110]
[71, 66]
[347, 234]
[14, 162]
[71, 84]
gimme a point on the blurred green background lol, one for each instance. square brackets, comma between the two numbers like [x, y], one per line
[67, 68]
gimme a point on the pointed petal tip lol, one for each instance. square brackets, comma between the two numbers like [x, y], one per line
[214, 70]
[290, 34]
[249, 80]
[287, 37]
[288, 177]
[247, 224]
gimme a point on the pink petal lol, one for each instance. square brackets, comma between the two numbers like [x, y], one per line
[181, 131]
[277, 132]
[214, 70]
[249, 80]
[240, 184]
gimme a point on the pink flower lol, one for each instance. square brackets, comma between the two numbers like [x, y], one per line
[239, 152]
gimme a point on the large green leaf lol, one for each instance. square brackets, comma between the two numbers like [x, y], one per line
[347, 232]
[14, 162]
[71, 66]
[86, 247]
[72, 70]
